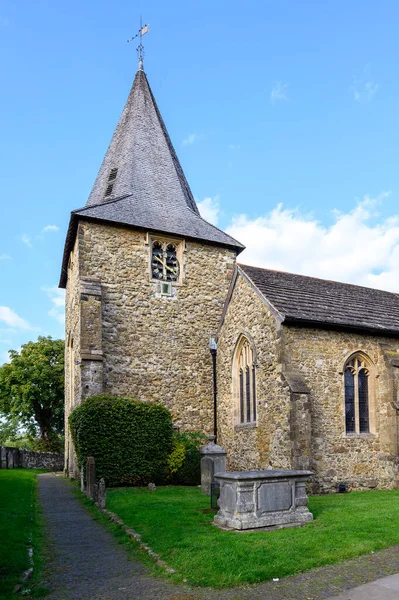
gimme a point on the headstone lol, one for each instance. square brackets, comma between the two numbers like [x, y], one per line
[152, 487]
[10, 459]
[94, 492]
[263, 499]
[213, 460]
[90, 475]
[82, 478]
[102, 495]
[3, 458]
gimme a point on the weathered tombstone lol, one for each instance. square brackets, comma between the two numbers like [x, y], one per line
[254, 499]
[213, 460]
[152, 487]
[3, 458]
[94, 492]
[102, 495]
[10, 459]
[82, 478]
[90, 475]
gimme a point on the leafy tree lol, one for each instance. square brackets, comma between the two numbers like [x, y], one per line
[32, 389]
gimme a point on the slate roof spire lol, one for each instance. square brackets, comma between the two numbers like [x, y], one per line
[141, 183]
[143, 155]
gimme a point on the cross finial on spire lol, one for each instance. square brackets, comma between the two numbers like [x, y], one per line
[140, 48]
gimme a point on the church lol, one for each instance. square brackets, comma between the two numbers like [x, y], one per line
[304, 372]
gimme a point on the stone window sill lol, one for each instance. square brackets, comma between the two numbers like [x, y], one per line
[360, 435]
[244, 426]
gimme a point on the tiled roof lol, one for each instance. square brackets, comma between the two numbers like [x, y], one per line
[141, 183]
[304, 300]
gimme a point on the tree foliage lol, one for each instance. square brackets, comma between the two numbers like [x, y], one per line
[32, 389]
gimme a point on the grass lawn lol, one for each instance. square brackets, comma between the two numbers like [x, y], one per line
[175, 522]
[20, 527]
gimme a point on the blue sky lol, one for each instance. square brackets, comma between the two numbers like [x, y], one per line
[284, 115]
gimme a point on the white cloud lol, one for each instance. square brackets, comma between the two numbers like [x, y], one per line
[5, 342]
[57, 297]
[209, 209]
[26, 240]
[234, 146]
[279, 92]
[364, 88]
[191, 139]
[10, 318]
[355, 248]
[5, 257]
[50, 228]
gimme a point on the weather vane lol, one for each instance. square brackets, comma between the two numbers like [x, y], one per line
[140, 48]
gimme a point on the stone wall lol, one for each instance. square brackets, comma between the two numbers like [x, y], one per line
[12, 458]
[300, 397]
[134, 341]
[363, 461]
[266, 444]
[72, 351]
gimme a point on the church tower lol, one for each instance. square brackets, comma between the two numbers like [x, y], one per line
[146, 277]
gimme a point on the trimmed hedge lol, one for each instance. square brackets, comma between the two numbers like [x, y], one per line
[130, 440]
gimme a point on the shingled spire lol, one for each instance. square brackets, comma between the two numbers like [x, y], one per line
[140, 159]
[141, 183]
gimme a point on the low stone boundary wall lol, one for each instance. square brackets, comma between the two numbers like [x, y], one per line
[12, 458]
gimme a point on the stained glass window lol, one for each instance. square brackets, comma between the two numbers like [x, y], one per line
[357, 410]
[363, 382]
[349, 401]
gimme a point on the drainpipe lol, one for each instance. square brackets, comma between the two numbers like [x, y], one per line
[213, 351]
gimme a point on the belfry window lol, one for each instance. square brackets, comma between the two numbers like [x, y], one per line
[245, 382]
[357, 394]
[111, 180]
[164, 262]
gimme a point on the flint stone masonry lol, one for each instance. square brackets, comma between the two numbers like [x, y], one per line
[263, 499]
[213, 460]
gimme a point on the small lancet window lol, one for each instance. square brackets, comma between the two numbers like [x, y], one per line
[357, 395]
[164, 262]
[245, 375]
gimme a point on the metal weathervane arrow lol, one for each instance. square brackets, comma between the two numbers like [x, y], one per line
[140, 48]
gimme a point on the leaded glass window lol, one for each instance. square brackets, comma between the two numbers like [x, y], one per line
[164, 262]
[357, 395]
[245, 373]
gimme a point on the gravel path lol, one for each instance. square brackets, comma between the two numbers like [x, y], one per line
[86, 563]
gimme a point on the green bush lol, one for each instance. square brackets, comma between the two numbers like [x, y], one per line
[184, 461]
[130, 440]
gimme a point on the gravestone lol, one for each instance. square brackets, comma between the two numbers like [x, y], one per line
[213, 460]
[101, 494]
[3, 458]
[90, 475]
[10, 459]
[263, 499]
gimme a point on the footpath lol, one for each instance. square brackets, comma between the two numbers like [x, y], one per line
[87, 563]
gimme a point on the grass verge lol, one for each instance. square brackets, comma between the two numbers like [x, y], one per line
[21, 528]
[175, 522]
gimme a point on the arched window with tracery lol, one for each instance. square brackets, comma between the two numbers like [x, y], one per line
[244, 374]
[358, 392]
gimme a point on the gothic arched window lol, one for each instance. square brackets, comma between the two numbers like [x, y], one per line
[164, 262]
[358, 386]
[244, 374]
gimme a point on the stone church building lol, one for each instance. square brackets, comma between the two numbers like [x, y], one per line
[307, 370]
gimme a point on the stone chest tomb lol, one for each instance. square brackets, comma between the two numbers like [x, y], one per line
[260, 499]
